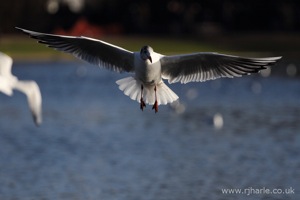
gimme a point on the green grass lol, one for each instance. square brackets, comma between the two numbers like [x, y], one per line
[24, 48]
[27, 48]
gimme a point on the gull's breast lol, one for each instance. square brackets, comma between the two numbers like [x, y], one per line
[148, 73]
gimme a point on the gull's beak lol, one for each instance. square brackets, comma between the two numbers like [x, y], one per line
[149, 57]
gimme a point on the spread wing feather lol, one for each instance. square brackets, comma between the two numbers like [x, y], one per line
[91, 50]
[208, 66]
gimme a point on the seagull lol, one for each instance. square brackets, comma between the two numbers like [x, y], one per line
[149, 68]
[8, 82]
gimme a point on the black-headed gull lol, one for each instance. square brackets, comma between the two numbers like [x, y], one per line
[149, 68]
[8, 82]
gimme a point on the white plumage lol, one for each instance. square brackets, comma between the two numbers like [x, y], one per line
[8, 82]
[150, 68]
[132, 88]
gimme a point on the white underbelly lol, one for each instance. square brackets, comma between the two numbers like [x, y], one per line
[149, 73]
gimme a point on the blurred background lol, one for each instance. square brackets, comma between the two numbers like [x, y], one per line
[95, 143]
[172, 17]
[230, 26]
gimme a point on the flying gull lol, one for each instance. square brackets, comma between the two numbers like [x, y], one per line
[8, 82]
[150, 68]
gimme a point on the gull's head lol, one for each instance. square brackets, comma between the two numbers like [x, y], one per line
[146, 52]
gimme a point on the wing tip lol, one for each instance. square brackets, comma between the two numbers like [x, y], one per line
[271, 59]
[37, 119]
[32, 34]
[27, 32]
[22, 29]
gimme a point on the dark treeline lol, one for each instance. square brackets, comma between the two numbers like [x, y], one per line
[154, 16]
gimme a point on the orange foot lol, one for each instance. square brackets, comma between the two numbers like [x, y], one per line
[155, 106]
[142, 104]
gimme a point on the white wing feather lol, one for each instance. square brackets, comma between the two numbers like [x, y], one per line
[34, 98]
[94, 51]
[8, 82]
[208, 66]
[5, 65]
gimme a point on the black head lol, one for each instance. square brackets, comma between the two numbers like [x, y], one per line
[146, 52]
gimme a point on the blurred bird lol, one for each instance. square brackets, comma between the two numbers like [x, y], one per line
[8, 82]
[150, 68]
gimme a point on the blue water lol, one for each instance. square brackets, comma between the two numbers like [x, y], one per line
[95, 143]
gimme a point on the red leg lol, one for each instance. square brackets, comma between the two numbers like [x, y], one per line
[142, 103]
[155, 106]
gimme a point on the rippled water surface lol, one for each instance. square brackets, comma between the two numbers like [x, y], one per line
[95, 143]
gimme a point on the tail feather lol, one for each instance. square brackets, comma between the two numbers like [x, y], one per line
[132, 88]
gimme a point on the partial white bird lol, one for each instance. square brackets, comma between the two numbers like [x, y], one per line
[8, 82]
[150, 68]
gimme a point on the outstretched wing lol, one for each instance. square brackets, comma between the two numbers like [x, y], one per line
[34, 98]
[91, 50]
[5, 65]
[208, 66]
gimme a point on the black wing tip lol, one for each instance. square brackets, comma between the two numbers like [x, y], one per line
[273, 61]
[37, 120]
[22, 29]
[37, 124]
[277, 58]
[19, 28]
[25, 31]
[31, 34]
